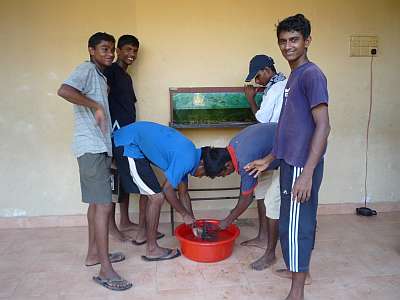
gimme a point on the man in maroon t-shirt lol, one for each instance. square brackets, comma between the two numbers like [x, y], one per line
[300, 144]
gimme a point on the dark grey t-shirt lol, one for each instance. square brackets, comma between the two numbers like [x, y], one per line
[253, 142]
[306, 88]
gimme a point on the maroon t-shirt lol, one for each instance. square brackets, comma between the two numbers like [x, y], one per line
[306, 88]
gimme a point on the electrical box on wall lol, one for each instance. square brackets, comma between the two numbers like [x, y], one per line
[363, 45]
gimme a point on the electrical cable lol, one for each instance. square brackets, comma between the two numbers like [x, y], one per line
[367, 134]
[365, 211]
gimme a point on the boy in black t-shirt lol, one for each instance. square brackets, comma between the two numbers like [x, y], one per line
[122, 101]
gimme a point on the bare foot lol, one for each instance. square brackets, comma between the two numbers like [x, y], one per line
[113, 257]
[141, 237]
[158, 252]
[290, 297]
[129, 226]
[120, 236]
[256, 242]
[284, 273]
[263, 262]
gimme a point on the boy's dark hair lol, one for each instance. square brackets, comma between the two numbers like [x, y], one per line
[214, 160]
[127, 39]
[98, 37]
[297, 23]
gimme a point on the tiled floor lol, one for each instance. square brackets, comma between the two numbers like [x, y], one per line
[355, 258]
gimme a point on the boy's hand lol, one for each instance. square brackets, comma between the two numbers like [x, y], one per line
[223, 224]
[101, 120]
[256, 167]
[302, 188]
[250, 91]
[188, 219]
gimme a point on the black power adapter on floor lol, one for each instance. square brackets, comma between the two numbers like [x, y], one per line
[365, 211]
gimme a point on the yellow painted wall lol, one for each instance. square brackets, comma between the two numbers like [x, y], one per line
[189, 43]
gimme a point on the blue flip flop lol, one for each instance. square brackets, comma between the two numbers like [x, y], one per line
[166, 256]
[115, 284]
[113, 257]
[159, 236]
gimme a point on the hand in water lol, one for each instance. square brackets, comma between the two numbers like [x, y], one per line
[188, 219]
[223, 224]
[197, 231]
[206, 231]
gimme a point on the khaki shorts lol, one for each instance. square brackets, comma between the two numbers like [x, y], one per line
[95, 177]
[268, 189]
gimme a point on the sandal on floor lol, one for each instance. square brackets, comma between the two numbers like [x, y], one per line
[159, 236]
[115, 284]
[168, 255]
[113, 257]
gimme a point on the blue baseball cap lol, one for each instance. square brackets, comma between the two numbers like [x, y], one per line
[258, 63]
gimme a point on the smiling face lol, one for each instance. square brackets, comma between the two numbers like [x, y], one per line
[127, 54]
[102, 54]
[293, 47]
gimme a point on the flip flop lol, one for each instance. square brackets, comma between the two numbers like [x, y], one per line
[166, 256]
[113, 257]
[160, 236]
[115, 284]
[252, 245]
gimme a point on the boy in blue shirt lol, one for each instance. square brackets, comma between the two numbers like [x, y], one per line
[146, 143]
[300, 144]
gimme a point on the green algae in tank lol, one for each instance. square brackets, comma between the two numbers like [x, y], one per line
[212, 108]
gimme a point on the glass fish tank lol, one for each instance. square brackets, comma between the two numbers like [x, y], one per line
[205, 107]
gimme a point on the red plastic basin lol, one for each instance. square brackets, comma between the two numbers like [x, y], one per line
[206, 251]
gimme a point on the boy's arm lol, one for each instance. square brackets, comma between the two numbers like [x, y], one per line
[76, 97]
[302, 186]
[242, 204]
[171, 197]
[185, 197]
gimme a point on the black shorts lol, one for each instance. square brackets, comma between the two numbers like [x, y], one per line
[135, 175]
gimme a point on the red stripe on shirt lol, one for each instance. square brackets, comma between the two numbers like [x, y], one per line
[233, 157]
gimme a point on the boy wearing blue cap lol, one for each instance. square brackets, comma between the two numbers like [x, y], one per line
[267, 192]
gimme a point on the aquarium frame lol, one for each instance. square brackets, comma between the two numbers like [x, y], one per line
[173, 91]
